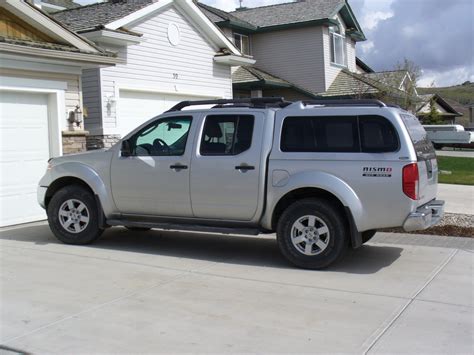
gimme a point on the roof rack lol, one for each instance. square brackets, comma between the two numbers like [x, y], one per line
[345, 102]
[258, 102]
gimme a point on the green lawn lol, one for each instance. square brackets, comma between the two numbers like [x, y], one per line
[462, 170]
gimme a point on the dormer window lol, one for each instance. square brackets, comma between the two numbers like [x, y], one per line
[242, 42]
[338, 48]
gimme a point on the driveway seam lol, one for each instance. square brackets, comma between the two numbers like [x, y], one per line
[104, 304]
[410, 301]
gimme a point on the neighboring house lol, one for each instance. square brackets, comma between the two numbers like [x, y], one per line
[171, 51]
[448, 110]
[303, 44]
[40, 89]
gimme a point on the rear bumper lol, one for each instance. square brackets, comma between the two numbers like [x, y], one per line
[425, 216]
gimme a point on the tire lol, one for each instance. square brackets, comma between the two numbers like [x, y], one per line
[138, 229]
[72, 226]
[329, 227]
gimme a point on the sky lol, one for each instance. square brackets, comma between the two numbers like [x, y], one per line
[437, 35]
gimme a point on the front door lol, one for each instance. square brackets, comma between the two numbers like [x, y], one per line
[226, 167]
[154, 178]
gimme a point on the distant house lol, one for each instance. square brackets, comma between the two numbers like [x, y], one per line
[41, 104]
[300, 47]
[448, 110]
[171, 52]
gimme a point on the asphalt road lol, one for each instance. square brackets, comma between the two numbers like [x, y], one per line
[456, 153]
[170, 292]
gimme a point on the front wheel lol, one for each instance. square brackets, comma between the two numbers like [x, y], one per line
[312, 234]
[73, 215]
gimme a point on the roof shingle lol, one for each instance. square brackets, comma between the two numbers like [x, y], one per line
[289, 13]
[97, 15]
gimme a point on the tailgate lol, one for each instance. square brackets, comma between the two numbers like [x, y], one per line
[426, 156]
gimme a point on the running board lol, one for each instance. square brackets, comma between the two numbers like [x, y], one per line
[183, 227]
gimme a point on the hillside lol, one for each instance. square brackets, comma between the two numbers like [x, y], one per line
[463, 94]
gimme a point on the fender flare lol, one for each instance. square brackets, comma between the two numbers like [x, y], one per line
[90, 177]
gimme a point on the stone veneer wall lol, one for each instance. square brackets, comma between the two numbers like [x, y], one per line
[74, 141]
[100, 142]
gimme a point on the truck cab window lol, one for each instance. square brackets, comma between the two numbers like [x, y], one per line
[227, 134]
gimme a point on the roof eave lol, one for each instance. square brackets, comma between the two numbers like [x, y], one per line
[318, 22]
[234, 60]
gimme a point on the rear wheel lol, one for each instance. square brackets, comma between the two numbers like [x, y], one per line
[312, 234]
[73, 215]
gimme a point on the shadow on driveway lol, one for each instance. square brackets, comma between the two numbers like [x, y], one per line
[241, 250]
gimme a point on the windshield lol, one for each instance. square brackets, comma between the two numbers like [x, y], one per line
[423, 147]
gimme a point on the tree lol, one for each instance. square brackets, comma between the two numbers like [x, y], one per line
[433, 117]
[415, 72]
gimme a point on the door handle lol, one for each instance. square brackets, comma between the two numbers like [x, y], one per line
[244, 167]
[178, 167]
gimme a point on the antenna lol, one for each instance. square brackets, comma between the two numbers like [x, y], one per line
[241, 1]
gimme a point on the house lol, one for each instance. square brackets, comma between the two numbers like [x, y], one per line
[171, 52]
[40, 101]
[302, 45]
[447, 110]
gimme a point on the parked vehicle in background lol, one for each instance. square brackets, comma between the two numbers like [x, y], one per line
[325, 175]
[449, 136]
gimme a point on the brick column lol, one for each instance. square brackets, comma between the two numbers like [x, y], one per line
[74, 141]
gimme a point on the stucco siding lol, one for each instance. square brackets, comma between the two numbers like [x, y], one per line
[156, 65]
[295, 55]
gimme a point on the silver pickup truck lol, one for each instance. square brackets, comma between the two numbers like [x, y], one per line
[325, 175]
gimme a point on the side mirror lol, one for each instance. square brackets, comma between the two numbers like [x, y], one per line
[126, 149]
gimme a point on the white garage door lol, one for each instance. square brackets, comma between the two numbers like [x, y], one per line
[24, 151]
[137, 107]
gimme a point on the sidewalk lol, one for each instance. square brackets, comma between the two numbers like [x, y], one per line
[459, 198]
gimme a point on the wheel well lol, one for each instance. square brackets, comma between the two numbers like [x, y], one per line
[62, 182]
[302, 193]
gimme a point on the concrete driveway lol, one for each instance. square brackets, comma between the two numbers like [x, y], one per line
[458, 198]
[163, 292]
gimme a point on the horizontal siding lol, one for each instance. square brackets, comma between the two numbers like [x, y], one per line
[92, 100]
[351, 55]
[295, 55]
[73, 96]
[152, 63]
[331, 70]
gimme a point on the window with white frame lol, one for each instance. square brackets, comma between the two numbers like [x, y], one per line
[338, 46]
[242, 42]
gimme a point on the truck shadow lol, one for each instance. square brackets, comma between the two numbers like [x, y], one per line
[259, 251]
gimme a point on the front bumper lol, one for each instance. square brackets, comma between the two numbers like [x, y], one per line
[425, 216]
[40, 195]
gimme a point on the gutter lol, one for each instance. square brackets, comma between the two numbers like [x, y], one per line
[60, 55]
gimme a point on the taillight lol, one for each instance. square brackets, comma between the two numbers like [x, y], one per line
[410, 180]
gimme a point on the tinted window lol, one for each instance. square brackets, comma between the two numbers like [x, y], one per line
[164, 137]
[423, 147]
[227, 134]
[320, 134]
[377, 134]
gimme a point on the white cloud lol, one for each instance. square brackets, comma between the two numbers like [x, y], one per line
[446, 78]
[371, 19]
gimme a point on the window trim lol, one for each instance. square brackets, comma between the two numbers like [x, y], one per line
[241, 36]
[333, 34]
[134, 138]
[233, 138]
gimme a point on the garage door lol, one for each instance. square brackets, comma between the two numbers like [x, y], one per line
[24, 151]
[136, 107]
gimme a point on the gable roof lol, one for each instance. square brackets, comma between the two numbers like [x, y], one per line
[301, 13]
[95, 16]
[116, 15]
[225, 19]
[246, 77]
[361, 64]
[451, 107]
[56, 37]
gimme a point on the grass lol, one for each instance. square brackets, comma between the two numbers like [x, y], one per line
[462, 170]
